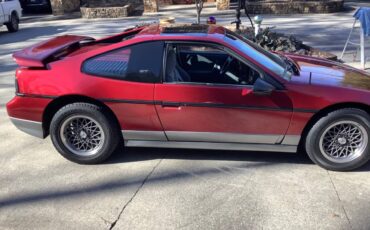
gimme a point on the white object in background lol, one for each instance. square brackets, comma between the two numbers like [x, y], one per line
[360, 46]
[9, 9]
[257, 22]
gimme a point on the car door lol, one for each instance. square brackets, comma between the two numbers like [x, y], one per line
[208, 95]
[124, 79]
[7, 6]
[2, 13]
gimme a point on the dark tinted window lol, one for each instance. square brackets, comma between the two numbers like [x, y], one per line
[145, 63]
[141, 63]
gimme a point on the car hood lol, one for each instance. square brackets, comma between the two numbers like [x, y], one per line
[325, 72]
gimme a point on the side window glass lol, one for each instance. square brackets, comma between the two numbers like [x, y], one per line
[139, 63]
[113, 64]
[146, 62]
[206, 64]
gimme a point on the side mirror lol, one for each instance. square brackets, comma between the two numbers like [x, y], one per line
[262, 87]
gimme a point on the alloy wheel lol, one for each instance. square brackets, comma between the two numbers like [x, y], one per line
[82, 135]
[343, 141]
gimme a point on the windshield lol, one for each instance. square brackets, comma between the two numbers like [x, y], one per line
[271, 61]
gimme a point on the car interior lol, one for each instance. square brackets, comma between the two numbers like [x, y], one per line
[206, 64]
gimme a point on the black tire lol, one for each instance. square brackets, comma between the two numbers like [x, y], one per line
[316, 153]
[13, 25]
[106, 123]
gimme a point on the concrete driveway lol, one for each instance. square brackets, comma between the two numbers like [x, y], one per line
[161, 188]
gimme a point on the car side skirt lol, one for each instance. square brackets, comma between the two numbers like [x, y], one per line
[213, 146]
[144, 135]
[210, 137]
[211, 140]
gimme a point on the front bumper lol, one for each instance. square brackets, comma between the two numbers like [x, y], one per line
[33, 128]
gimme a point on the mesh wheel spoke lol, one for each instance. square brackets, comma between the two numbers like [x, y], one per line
[343, 140]
[82, 135]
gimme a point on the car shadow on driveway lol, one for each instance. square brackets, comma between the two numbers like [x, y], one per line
[144, 154]
[112, 184]
[245, 160]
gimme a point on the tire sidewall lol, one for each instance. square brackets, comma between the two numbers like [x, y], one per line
[313, 140]
[62, 115]
[15, 22]
[10, 25]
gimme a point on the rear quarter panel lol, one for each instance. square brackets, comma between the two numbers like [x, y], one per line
[131, 102]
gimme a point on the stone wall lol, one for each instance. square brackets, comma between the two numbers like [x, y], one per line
[287, 6]
[60, 7]
[223, 4]
[106, 12]
[295, 7]
[150, 6]
[108, 3]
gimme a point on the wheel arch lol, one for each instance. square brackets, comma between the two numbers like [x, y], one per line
[61, 101]
[325, 111]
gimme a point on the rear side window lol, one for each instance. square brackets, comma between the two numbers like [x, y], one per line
[139, 63]
[113, 64]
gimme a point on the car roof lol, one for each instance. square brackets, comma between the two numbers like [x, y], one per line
[182, 29]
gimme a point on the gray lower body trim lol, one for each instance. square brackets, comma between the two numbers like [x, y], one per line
[185, 136]
[210, 140]
[212, 145]
[33, 128]
[144, 135]
[222, 137]
[291, 140]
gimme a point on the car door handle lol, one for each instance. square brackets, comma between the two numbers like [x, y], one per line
[171, 104]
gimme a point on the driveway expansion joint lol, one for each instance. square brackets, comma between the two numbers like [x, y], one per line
[340, 201]
[106, 221]
[134, 195]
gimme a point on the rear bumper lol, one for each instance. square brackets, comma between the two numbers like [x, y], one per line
[26, 113]
[33, 128]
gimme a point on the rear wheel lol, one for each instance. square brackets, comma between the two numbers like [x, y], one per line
[84, 134]
[340, 140]
[13, 25]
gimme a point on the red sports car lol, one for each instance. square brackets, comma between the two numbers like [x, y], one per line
[189, 86]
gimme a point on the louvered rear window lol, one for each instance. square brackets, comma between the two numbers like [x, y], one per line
[113, 64]
[140, 62]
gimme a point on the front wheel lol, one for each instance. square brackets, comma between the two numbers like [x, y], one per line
[340, 140]
[84, 134]
[13, 25]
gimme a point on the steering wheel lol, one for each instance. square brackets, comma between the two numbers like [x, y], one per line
[226, 65]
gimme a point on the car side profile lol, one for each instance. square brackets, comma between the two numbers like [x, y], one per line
[189, 86]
